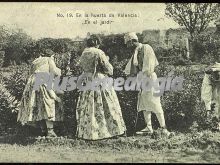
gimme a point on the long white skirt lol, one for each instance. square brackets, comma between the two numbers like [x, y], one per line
[147, 101]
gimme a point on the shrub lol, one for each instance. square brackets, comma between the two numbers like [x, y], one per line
[16, 82]
[8, 105]
[206, 48]
[17, 47]
[182, 108]
[2, 53]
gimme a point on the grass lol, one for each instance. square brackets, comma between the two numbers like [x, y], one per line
[191, 147]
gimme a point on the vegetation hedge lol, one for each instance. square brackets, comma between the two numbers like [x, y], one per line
[183, 109]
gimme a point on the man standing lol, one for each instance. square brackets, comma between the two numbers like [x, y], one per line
[145, 61]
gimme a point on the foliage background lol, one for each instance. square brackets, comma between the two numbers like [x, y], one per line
[184, 110]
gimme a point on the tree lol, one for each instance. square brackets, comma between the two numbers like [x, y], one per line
[194, 16]
[4, 33]
[15, 47]
[60, 45]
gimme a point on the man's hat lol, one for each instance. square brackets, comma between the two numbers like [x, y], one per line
[130, 36]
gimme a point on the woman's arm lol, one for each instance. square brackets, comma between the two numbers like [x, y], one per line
[53, 67]
[104, 62]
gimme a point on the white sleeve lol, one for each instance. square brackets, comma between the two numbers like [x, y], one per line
[149, 60]
[104, 60]
[53, 67]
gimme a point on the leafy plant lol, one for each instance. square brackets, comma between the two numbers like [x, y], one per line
[8, 107]
[195, 17]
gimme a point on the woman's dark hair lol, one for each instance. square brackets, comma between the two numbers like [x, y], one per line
[134, 40]
[93, 41]
[47, 53]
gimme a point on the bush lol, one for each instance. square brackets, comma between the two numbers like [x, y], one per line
[8, 107]
[172, 56]
[16, 82]
[206, 48]
[2, 53]
[183, 109]
[17, 48]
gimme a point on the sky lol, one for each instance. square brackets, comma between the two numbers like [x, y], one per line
[40, 20]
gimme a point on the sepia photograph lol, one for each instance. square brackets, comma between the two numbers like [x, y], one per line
[85, 82]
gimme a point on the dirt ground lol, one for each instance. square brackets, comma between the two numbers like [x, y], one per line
[190, 148]
[33, 154]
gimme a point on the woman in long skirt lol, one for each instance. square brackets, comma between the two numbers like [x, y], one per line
[39, 105]
[99, 113]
